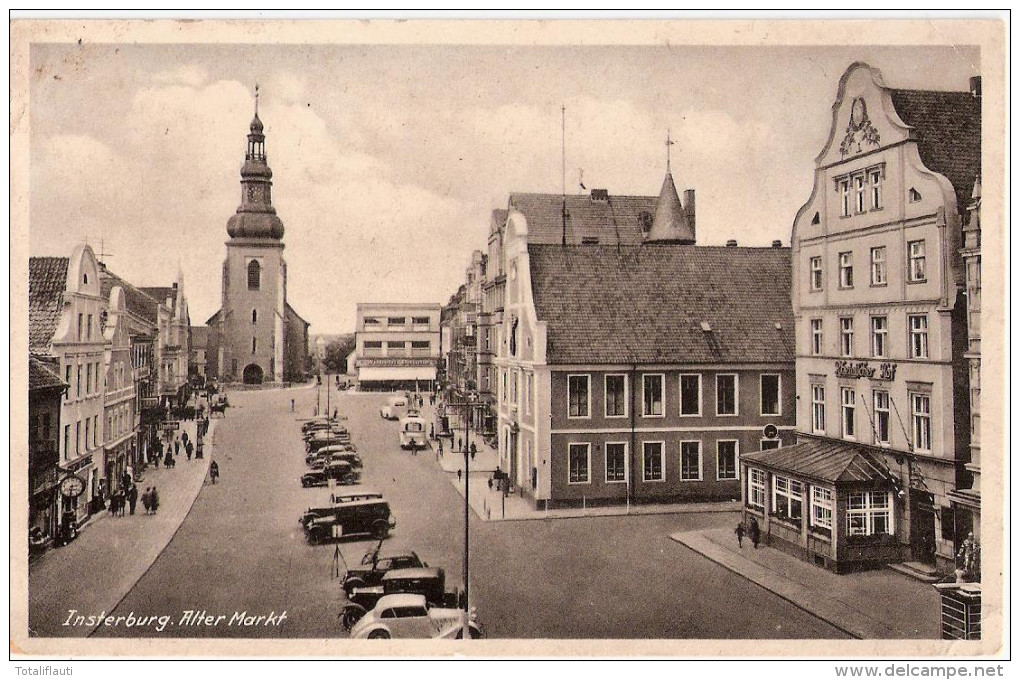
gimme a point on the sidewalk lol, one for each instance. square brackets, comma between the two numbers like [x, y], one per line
[876, 604]
[95, 571]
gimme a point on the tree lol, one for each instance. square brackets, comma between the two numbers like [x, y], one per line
[337, 350]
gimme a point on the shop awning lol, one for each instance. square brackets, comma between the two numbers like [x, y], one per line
[368, 373]
[824, 460]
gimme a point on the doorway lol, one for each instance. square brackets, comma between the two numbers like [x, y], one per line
[252, 374]
[922, 527]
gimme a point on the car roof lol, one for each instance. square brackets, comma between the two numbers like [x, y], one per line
[412, 572]
[361, 492]
[364, 501]
[400, 600]
[392, 555]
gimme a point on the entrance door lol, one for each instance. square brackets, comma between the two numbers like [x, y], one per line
[922, 526]
[252, 374]
[514, 455]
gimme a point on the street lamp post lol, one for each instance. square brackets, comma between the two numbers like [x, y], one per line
[467, 517]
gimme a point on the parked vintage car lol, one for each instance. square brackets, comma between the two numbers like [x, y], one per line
[318, 422]
[391, 410]
[375, 565]
[370, 517]
[318, 442]
[427, 581]
[326, 451]
[340, 471]
[337, 500]
[411, 616]
[319, 459]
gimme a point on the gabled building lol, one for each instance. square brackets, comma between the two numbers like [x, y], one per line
[638, 368]
[120, 407]
[881, 331]
[65, 310]
[45, 394]
[174, 334]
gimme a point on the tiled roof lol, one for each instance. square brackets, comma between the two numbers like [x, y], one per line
[138, 303]
[160, 294]
[199, 336]
[822, 459]
[41, 376]
[647, 304]
[948, 126]
[619, 219]
[47, 279]
[298, 316]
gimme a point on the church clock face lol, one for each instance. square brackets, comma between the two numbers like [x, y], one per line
[253, 193]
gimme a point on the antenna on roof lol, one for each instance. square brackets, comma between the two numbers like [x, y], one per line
[102, 248]
[580, 181]
[563, 177]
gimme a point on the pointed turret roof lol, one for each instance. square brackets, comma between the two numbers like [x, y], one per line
[670, 224]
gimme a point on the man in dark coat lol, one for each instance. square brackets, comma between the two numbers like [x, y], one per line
[132, 498]
[755, 532]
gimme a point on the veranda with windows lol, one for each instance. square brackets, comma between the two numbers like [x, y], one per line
[825, 501]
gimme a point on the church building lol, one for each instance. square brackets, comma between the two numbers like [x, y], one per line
[256, 336]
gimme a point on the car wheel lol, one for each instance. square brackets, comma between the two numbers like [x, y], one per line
[352, 583]
[351, 614]
[379, 635]
[380, 529]
[475, 634]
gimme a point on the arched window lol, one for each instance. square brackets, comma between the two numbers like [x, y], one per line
[254, 275]
[254, 316]
[253, 345]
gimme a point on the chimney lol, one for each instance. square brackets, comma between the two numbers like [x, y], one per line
[600, 195]
[732, 243]
[689, 209]
[777, 244]
[975, 87]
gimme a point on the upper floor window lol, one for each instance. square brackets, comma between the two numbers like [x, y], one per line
[88, 327]
[578, 387]
[844, 197]
[420, 344]
[846, 336]
[81, 327]
[652, 395]
[254, 275]
[848, 403]
[770, 405]
[916, 270]
[726, 395]
[918, 336]
[372, 321]
[67, 379]
[859, 193]
[881, 405]
[879, 336]
[818, 408]
[920, 411]
[816, 273]
[420, 320]
[816, 336]
[616, 396]
[690, 394]
[875, 178]
[254, 316]
[846, 270]
[396, 320]
[878, 277]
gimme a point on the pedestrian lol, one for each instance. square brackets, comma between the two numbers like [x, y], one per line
[291, 405]
[189, 449]
[132, 498]
[490, 483]
[460, 473]
[184, 439]
[460, 443]
[755, 532]
[739, 531]
[177, 446]
[214, 471]
[147, 501]
[474, 450]
[432, 431]
[154, 500]
[440, 448]
[334, 414]
[121, 502]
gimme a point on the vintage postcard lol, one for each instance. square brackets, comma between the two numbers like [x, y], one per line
[485, 338]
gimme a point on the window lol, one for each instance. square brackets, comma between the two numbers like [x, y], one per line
[920, 411]
[878, 266]
[818, 409]
[579, 394]
[726, 459]
[769, 444]
[916, 264]
[372, 321]
[913, 196]
[88, 327]
[879, 336]
[859, 193]
[67, 379]
[846, 336]
[846, 270]
[81, 326]
[881, 402]
[690, 394]
[844, 197]
[816, 273]
[868, 513]
[95, 431]
[77, 391]
[756, 488]
[652, 395]
[787, 498]
[67, 441]
[821, 508]
[816, 336]
[690, 461]
[254, 316]
[420, 320]
[77, 437]
[848, 403]
[253, 345]
[580, 463]
[770, 394]
[876, 188]
[652, 463]
[918, 336]
[373, 344]
[420, 344]
[396, 320]
[726, 395]
[616, 462]
[88, 380]
[616, 396]
[254, 275]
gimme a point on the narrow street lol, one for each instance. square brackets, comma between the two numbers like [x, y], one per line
[242, 549]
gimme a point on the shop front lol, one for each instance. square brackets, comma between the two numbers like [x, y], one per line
[828, 502]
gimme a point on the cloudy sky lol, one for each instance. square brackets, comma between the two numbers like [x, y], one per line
[388, 160]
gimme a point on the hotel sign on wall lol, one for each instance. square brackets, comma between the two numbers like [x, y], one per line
[395, 361]
[862, 369]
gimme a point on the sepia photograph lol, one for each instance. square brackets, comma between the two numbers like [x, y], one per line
[487, 338]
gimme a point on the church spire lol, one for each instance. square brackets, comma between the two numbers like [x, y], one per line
[256, 216]
[671, 223]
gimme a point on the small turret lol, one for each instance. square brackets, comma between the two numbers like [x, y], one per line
[670, 224]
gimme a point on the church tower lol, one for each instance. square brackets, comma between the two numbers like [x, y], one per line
[252, 321]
